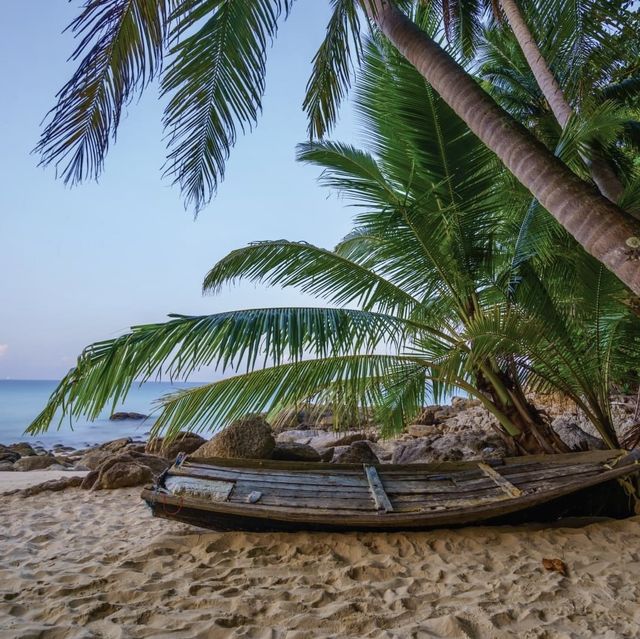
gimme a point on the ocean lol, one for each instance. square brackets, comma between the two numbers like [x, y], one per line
[22, 400]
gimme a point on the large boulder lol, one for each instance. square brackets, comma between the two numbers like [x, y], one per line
[473, 444]
[8, 455]
[94, 458]
[116, 444]
[574, 437]
[292, 451]
[124, 470]
[358, 452]
[247, 438]
[35, 462]
[24, 449]
[183, 443]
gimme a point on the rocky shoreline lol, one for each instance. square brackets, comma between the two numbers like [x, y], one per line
[463, 430]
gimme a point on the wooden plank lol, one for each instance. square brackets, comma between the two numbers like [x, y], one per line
[295, 518]
[597, 456]
[505, 484]
[377, 489]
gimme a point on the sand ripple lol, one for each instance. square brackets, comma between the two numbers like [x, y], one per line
[89, 565]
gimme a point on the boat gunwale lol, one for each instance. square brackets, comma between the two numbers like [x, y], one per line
[413, 519]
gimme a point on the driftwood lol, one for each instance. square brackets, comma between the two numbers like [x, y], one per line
[271, 495]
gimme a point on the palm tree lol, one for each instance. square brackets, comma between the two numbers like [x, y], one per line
[215, 80]
[431, 266]
[588, 21]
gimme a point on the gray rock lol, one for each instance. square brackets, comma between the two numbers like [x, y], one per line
[6, 466]
[118, 417]
[8, 455]
[358, 452]
[94, 458]
[420, 430]
[124, 475]
[116, 444]
[24, 449]
[248, 438]
[124, 470]
[183, 443]
[574, 437]
[292, 451]
[35, 462]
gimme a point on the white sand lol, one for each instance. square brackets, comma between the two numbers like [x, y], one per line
[19, 480]
[97, 565]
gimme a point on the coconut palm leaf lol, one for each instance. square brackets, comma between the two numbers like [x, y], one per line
[215, 82]
[120, 50]
[311, 270]
[333, 67]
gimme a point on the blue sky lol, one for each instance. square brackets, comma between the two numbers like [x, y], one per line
[83, 264]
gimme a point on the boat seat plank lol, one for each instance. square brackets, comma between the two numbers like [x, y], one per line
[377, 489]
[504, 484]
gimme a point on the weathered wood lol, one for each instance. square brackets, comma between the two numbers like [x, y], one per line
[504, 484]
[337, 498]
[377, 489]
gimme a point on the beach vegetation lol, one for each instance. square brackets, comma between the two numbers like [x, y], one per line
[453, 278]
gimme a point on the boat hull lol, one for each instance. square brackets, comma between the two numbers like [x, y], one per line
[218, 494]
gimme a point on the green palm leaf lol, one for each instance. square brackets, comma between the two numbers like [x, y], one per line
[333, 67]
[215, 81]
[119, 53]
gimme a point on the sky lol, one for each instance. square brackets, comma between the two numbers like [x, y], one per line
[82, 264]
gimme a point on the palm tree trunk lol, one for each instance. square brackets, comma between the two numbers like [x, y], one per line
[603, 229]
[601, 171]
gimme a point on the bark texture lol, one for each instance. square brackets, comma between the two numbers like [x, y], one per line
[601, 171]
[603, 229]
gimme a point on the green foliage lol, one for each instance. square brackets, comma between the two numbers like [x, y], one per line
[459, 280]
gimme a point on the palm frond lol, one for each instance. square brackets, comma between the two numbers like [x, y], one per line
[311, 270]
[270, 390]
[119, 53]
[106, 370]
[333, 67]
[215, 80]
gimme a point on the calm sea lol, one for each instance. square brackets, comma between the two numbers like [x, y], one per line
[22, 400]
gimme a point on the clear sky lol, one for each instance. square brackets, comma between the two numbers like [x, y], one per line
[83, 264]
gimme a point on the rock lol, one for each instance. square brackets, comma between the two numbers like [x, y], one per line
[426, 418]
[117, 417]
[116, 444]
[358, 452]
[94, 458]
[247, 438]
[8, 455]
[417, 451]
[183, 443]
[51, 485]
[574, 437]
[6, 466]
[420, 430]
[123, 475]
[24, 449]
[349, 439]
[124, 470]
[455, 446]
[327, 454]
[35, 462]
[292, 451]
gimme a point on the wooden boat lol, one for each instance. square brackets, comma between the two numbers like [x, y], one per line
[226, 494]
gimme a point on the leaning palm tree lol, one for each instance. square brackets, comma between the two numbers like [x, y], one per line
[215, 79]
[579, 28]
[420, 295]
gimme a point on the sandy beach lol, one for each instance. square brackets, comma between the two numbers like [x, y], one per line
[82, 564]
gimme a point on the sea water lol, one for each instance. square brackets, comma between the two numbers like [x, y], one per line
[22, 400]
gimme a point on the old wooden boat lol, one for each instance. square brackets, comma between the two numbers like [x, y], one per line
[228, 494]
